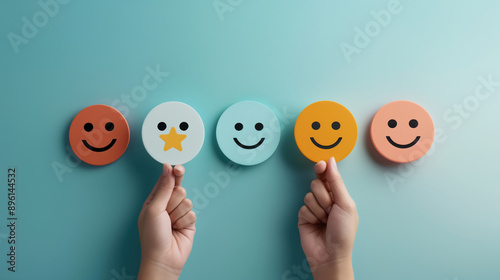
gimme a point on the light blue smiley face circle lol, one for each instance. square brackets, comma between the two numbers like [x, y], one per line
[248, 133]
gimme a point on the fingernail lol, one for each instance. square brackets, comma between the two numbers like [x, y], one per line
[334, 162]
[329, 209]
[179, 169]
[165, 170]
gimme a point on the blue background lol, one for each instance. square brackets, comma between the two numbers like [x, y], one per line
[437, 220]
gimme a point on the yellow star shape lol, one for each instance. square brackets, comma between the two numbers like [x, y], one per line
[172, 140]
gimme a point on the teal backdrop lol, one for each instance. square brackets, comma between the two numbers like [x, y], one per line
[436, 218]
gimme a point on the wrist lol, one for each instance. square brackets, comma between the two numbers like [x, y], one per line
[152, 270]
[339, 269]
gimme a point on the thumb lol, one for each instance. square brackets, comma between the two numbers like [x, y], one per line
[341, 196]
[164, 186]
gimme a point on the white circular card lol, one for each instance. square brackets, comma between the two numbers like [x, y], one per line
[173, 133]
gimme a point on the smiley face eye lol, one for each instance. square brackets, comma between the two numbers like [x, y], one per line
[392, 123]
[88, 127]
[162, 126]
[259, 126]
[315, 125]
[335, 125]
[413, 123]
[238, 126]
[109, 126]
[184, 126]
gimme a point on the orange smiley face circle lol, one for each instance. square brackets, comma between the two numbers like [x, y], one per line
[402, 131]
[325, 129]
[99, 135]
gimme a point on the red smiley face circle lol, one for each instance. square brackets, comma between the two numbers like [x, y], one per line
[99, 135]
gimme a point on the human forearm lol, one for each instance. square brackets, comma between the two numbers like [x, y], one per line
[154, 271]
[338, 270]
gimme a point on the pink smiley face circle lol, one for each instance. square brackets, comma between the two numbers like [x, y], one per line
[402, 131]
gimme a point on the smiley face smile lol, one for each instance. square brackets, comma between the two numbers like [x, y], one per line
[403, 146]
[248, 147]
[109, 125]
[402, 131]
[248, 133]
[103, 149]
[325, 129]
[326, 147]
